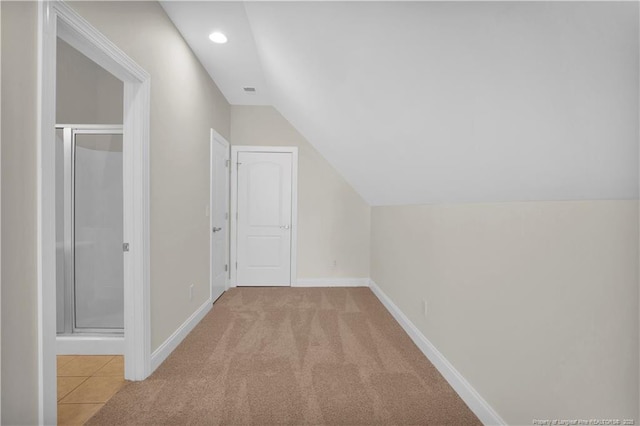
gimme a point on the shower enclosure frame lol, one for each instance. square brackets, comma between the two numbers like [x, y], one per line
[69, 139]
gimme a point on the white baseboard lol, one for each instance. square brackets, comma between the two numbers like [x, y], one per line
[476, 403]
[90, 345]
[331, 282]
[164, 350]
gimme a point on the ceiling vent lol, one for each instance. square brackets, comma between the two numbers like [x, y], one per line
[249, 89]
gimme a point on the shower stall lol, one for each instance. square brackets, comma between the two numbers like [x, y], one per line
[89, 237]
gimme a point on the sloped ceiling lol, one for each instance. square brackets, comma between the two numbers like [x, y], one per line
[429, 102]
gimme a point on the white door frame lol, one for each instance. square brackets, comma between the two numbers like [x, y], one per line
[217, 138]
[57, 19]
[293, 150]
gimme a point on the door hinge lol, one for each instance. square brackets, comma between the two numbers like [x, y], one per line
[125, 247]
[226, 268]
[226, 163]
[226, 215]
[236, 265]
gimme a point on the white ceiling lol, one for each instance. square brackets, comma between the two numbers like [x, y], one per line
[425, 102]
[233, 65]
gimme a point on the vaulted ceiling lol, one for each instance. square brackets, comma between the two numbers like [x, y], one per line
[425, 102]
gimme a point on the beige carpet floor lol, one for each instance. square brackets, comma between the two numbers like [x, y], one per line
[292, 356]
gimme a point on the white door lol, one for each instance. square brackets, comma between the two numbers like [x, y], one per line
[219, 215]
[264, 201]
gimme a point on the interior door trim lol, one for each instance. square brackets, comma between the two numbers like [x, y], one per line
[235, 150]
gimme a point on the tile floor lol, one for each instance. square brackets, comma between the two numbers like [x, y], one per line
[85, 384]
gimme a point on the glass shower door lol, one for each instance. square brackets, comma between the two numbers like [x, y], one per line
[98, 284]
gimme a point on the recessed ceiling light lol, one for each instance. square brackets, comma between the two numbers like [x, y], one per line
[218, 37]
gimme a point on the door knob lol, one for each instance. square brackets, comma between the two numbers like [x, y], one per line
[216, 229]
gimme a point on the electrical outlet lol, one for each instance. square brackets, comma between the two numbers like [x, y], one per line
[424, 307]
[191, 292]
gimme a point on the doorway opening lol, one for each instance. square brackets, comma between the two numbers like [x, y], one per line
[60, 22]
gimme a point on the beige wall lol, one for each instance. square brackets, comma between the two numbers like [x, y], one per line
[333, 220]
[19, 298]
[535, 304]
[85, 92]
[185, 104]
